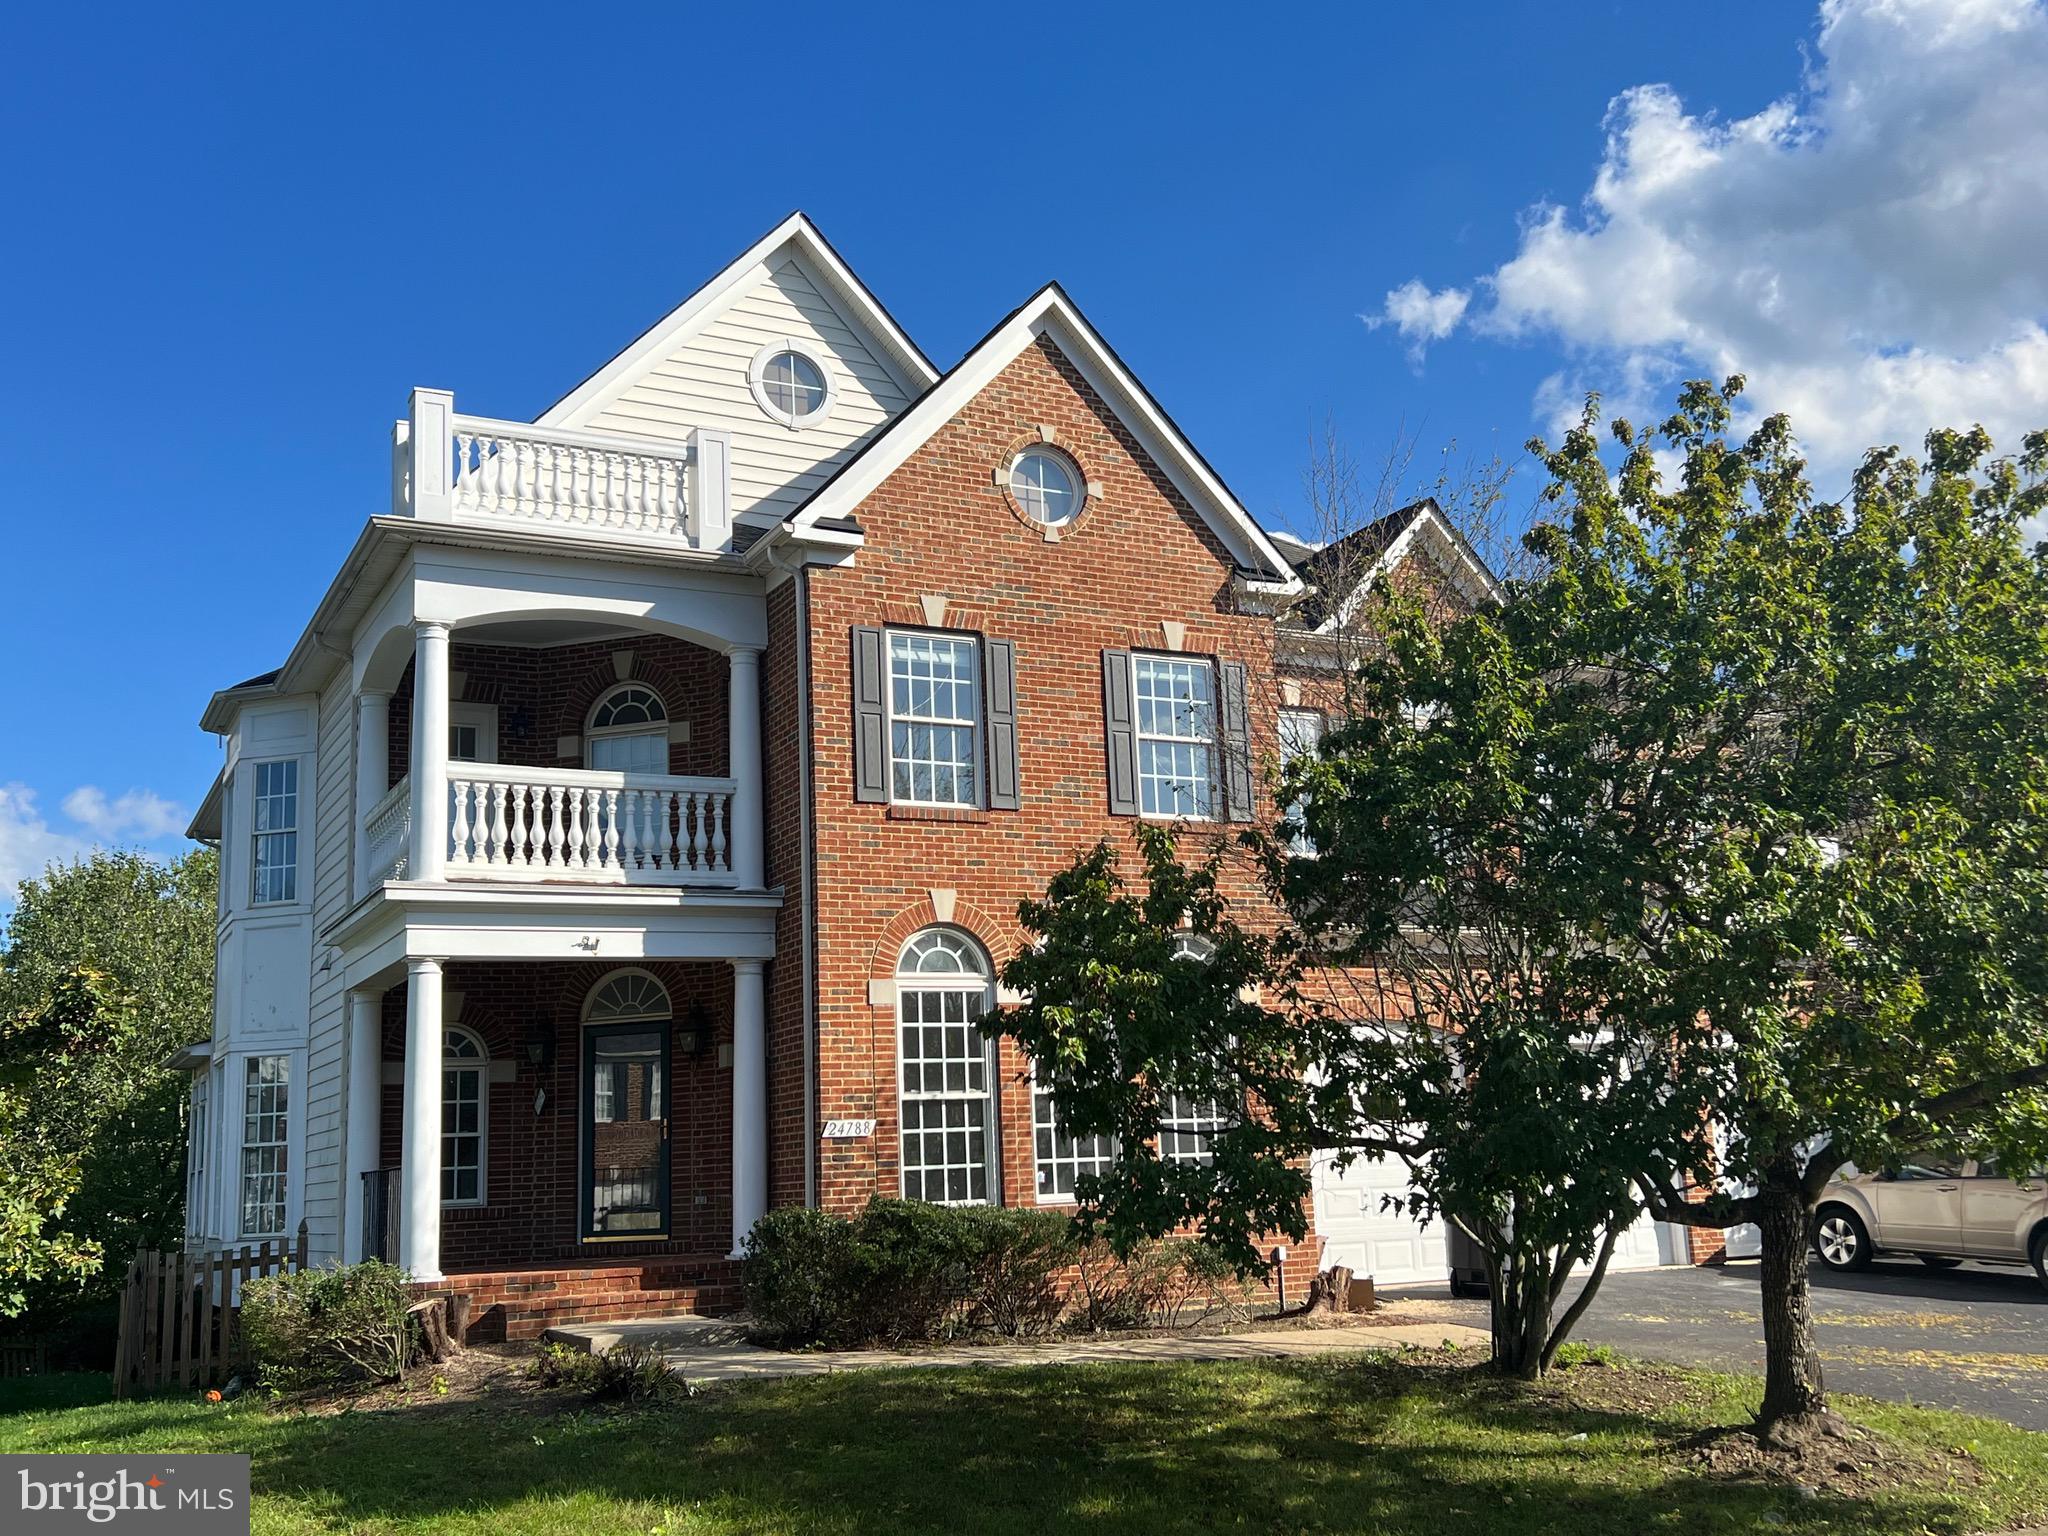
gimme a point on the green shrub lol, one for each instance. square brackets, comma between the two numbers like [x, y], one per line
[908, 1268]
[625, 1373]
[317, 1327]
[1014, 1268]
[797, 1274]
[1198, 1281]
[904, 1272]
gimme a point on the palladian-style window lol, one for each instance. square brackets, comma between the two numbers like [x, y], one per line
[628, 731]
[465, 1108]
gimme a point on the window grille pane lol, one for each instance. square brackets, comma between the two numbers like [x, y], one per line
[275, 839]
[935, 710]
[1186, 1126]
[266, 1104]
[946, 1096]
[1062, 1158]
[1176, 731]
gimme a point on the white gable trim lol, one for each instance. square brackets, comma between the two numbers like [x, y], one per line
[794, 238]
[1454, 554]
[1050, 313]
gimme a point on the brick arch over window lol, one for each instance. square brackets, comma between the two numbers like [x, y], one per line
[996, 939]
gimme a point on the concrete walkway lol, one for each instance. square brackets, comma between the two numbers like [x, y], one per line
[713, 1349]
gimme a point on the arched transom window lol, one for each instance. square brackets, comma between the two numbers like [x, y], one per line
[626, 997]
[943, 987]
[465, 1112]
[628, 731]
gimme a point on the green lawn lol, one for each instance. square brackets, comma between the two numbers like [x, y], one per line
[1357, 1444]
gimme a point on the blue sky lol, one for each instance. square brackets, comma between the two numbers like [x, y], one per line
[235, 238]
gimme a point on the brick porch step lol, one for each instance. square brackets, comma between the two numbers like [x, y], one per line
[524, 1304]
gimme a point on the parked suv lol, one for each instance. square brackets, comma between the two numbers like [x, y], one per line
[1941, 1209]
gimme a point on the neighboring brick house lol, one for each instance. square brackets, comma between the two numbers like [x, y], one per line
[633, 835]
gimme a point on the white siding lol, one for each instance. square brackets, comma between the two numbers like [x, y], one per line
[703, 383]
[326, 1062]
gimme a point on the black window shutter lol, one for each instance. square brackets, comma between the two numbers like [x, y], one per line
[1121, 728]
[870, 717]
[1002, 724]
[1236, 744]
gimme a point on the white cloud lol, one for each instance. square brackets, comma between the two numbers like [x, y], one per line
[29, 844]
[1420, 315]
[1868, 250]
[140, 813]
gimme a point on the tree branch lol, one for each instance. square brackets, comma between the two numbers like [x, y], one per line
[1717, 1210]
[1974, 1096]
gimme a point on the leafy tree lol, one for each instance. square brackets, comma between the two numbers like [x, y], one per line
[1813, 768]
[1515, 1117]
[107, 970]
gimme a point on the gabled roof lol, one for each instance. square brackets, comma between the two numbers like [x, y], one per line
[1049, 312]
[1345, 569]
[796, 233]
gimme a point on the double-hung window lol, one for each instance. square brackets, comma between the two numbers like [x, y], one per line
[195, 1176]
[275, 833]
[1063, 1157]
[934, 717]
[266, 1120]
[464, 1103]
[1175, 700]
[948, 1103]
[1301, 733]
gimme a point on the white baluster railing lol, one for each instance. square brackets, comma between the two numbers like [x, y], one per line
[538, 474]
[508, 823]
[388, 833]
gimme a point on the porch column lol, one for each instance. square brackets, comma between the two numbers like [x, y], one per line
[429, 756]
[419, 1231]
[365, 1118]
[743, 758]
[749, 1099]
[373, 773]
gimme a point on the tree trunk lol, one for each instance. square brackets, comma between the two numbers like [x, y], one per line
[1794, 1401]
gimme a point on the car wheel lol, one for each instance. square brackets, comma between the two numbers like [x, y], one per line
[1937, 1260]
[1839, 1237]
[2040, 1257]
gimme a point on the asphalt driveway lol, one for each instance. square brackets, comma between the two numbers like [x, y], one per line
[1974, 1338]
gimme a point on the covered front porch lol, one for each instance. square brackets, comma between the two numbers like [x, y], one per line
[561, 1140]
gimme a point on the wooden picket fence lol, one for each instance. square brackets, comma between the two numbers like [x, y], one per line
[181, 1314]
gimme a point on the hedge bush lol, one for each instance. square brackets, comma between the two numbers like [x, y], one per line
[316, 1327]
[625, 1373]
[905, 1272]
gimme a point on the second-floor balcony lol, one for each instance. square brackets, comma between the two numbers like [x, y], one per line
[448, 467]
[564, 824]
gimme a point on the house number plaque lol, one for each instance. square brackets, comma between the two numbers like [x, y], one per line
[848, 1130]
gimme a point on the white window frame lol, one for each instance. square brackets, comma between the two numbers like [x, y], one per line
[196, 1159]
[483, 718]
[1051, 1158]
[593, 732]
[971, 723]
[259, 833]
[276, 1108]
[757, 382]
[1203, 741]
[976, 989]
[1077, 484]
[478, 1066]
[1301, 733]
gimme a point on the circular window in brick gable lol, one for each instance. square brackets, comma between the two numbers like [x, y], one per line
[1044, 487]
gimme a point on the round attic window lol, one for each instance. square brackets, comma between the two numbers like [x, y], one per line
[1046, 485]
[791, 383]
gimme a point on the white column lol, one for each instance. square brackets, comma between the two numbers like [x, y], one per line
[365, 1116]
[429, 753]
[749, 1099]
[373, 773]
[419, 1217]
[743, 760]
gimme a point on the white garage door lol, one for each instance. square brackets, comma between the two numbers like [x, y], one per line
[1396, 1249]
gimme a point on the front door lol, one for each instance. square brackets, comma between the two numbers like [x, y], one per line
[625, 1131]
